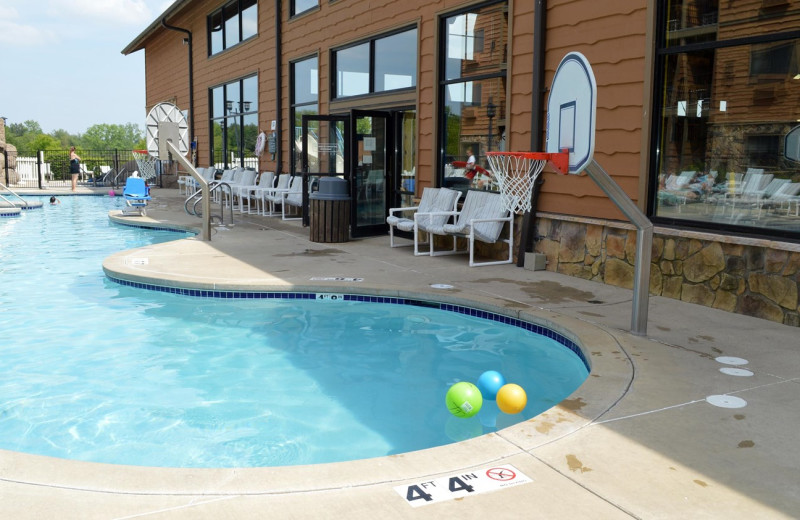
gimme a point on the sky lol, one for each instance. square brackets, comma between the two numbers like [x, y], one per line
[63, 65]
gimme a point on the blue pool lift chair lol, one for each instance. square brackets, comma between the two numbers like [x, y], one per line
[136, 194]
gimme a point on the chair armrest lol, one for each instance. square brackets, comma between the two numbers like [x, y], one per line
[401, 210]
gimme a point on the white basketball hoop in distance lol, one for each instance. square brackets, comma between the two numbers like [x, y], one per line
[165, 122]
[516, 173]
[146, 164]
[571, 111]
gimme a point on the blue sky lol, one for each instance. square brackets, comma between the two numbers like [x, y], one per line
[63, 66]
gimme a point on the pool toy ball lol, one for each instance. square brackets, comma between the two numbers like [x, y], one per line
[489, 383]
[464, 399]
[511, 398]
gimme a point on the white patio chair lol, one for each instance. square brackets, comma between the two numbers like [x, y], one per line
[481, 218]
[256, 193]
[274, 196]
[293, 197]
[432, 200]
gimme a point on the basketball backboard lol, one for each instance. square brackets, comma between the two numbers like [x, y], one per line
[791, 144]
[571, 111]
[165, 122]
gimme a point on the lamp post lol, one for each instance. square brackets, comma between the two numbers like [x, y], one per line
[244, 106]
[491, 112]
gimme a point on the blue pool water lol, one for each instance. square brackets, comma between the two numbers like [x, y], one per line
[99, 371]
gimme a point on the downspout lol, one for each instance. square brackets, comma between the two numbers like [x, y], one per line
[188, 41]
[278, 88]
[537, 94]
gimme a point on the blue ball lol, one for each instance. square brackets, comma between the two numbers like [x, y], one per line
[489, 383]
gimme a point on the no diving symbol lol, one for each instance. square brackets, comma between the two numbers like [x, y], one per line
[501, 474]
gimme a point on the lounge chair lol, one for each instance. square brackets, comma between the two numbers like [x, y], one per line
[293, 197]
[255, 193]
[274, 196]
[432, 200]
[136, 194]
[241, 185]
[481, 218]
[786, 194]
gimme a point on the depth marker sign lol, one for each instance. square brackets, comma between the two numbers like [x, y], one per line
[464, 484]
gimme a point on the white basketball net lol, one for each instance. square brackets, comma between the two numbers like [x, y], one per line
[146, 164]
[515, 174]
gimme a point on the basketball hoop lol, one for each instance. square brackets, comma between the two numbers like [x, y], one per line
[146, 164]
[516, 172]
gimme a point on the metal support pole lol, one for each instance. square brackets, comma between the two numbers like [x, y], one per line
[176, 154]
[644, 244]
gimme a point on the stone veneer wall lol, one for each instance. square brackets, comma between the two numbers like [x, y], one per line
[745, 276]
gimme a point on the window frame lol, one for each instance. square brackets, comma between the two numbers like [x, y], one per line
[371, 41]
[241, 7]
[664, 50]
[244, 114]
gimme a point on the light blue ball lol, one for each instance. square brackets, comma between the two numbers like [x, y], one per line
[489, 383]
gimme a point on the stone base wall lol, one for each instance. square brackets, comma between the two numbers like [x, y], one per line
[746, 276]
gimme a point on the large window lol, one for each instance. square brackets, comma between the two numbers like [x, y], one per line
[234, 123]
[472, 93]
[378, 65]
[304, 81]
[728, 79]
[232, 24]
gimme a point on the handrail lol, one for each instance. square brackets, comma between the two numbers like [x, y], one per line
[13, 193]
[176, 154]
[198, 198]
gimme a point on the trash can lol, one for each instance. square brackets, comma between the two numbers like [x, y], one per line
[330, 211]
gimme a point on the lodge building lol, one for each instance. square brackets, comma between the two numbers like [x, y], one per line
[695, 119]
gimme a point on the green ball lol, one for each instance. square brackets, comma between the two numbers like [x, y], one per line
[464, 399]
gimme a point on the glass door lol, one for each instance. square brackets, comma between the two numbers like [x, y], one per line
[322, 151]
[371, 160]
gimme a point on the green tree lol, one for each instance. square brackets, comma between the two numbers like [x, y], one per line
[44, 142]
[21, 134]
[104, 137]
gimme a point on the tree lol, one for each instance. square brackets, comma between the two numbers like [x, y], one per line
[104, 137]
[21, 134]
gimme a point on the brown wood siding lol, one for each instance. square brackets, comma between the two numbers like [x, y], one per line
[611, 34]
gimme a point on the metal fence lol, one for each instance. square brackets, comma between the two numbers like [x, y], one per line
[50, 168]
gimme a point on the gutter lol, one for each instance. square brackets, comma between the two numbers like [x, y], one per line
[537, 94]
[278, 89]
[188, 41]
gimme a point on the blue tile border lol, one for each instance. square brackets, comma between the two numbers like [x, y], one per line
[460, 309]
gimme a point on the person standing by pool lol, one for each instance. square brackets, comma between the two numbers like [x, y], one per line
[74, 167]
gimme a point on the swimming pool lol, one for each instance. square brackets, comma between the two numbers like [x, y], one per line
[113, 373]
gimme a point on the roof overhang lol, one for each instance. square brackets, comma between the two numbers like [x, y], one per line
[138, 43]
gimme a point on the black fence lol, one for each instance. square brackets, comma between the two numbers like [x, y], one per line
[50, 168]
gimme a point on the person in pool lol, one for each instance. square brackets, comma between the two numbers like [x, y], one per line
[54, 201]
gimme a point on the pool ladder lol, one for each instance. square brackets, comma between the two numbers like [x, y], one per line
[193, 204]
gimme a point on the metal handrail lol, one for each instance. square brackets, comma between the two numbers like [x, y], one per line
[14, 194]
[191, 207]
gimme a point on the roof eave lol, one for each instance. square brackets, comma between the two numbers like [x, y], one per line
[138, 43]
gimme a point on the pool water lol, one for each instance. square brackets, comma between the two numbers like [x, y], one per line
[98, 371]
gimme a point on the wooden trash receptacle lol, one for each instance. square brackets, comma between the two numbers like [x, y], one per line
[329, 211]
[330, 220]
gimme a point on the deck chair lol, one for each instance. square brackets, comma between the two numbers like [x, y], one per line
[274, 196]
[255, 193]
[481, 218]
[136, 194]
[432, 200]
[293, 197]
[241, 187]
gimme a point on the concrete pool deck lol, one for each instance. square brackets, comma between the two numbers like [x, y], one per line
[637, 440]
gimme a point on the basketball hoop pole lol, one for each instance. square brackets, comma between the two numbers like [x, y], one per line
[644, 244]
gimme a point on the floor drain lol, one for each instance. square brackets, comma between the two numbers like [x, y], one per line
[595, 301]
[741, 372]
[726, 401]
[728, 360]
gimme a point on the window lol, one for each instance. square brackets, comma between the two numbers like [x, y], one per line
[726, 83]
[378, 65]
[472, 91]
[301, 6]
[304, 81]
[232, 24]
[234, 123]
